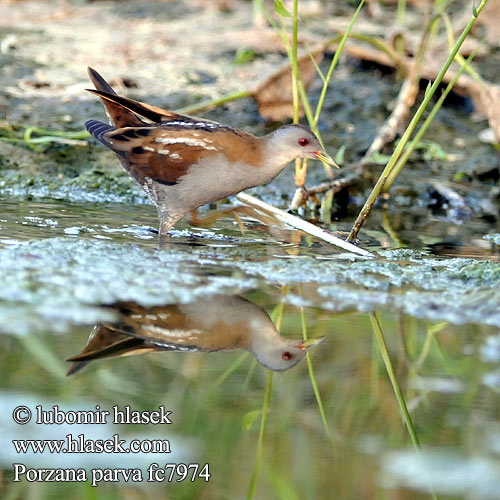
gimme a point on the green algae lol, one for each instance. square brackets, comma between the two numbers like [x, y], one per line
[54, 282]
[50, 283]
[456, 290]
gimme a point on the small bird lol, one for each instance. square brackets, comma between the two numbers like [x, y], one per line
[183, 162]
[217, 323]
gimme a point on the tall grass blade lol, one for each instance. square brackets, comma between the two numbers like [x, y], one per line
[260, 442]
[365, 211]
[394, 381]
[418, 136]
[314, 382]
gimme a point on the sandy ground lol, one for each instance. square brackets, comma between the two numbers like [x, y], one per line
[171, 53]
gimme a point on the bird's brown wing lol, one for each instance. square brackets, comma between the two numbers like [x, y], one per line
[165, 153]
[106, 341]
[152, 113]
[157, 153]
[171, 327]
[119, 115]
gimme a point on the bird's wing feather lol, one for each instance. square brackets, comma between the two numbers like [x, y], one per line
[106, 342]
[118, 115]
[158, 153]
[99, 82]
[152, 113]
[168, 328]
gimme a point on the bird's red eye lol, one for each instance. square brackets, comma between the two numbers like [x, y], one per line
[303, 141]
[287, 356]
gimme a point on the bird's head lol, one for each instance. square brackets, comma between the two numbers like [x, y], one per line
[296, 141]
[284, 354]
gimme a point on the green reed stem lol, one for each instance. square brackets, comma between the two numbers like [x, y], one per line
[377, 329]
[401, 11]
[231, 368]
[313, 120]
[365, 211]
[451, 41]
[260, 442]
[277, 317]
[418, 136]
[306, 105]
[295, 74]
[384, 47]
[295, 67]
[79, 134]
[374, 372]
[204, 105]
[46, 136]
[333, 64]
[314, 382]
[394, 381]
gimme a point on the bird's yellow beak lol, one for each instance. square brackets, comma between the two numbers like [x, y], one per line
[305, 345]
[322, 156]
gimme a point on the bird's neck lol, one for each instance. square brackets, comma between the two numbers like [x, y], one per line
[263, 336]
[277, 154]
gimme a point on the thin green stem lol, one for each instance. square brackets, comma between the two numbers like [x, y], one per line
[401, 11]
[46, 135]
[315, 64]
[365, 211]
[306, 105]
[333, 64]
[423, 354]
[459, 58]
[271, 21]
[292, 54]
[277, 317]
[418, 136]
[386, 225]
[204, 105]
[383, 46]
[260, 442]
[232, 367]
[394, 381]
[314, 382]
[251, 371]
[300, 171]
[40, 140]
[377, 329]
[295, 67]
[374, 370]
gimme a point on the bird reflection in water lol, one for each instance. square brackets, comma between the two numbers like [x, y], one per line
[217, 323]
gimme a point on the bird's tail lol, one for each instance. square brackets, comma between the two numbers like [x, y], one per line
[97, 130]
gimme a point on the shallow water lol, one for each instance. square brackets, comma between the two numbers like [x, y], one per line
[61, 263]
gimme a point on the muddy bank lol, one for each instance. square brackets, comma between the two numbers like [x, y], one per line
[157, 57]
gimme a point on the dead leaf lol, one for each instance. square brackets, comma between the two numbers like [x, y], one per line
[274, 95]
[489, 100]
[490, 19]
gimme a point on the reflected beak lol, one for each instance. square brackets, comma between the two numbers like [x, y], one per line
[322, 156]
[305, 345]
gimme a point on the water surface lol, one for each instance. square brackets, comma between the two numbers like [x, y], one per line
[63, 266]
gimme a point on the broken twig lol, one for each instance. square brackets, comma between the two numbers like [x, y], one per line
[301, 224]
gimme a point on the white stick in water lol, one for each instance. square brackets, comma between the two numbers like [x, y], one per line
[303, 225]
